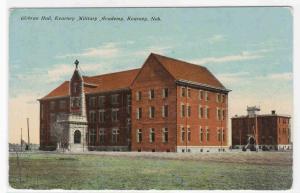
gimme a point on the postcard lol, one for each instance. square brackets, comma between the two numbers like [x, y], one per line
[177, 98]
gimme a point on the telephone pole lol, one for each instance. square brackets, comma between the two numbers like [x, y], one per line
[28, 134]
[21, 140]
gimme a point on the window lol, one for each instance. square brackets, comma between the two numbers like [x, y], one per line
[139, 113]
[188, 134]
[151, 112]
[207, 134]
[101, 117]
[223, 135]
[128, 98]
[75, 103]
[218, 114]
[218, 98]
[115, 135]
[138, 95]
[77, 137]
[182, 92]
[189, 92]
[114, 114]
[62, 104]
[219, 135]
[75, 84]
[200, 94]
[182, 134]
[42, 111]
[189, 111]
[128, 122]
[182, 110]
[52, 117]
[224, 114]
[223, 98]
[151, 94]
[128, 108]
[206, 95]
[200, 112]
[139, 136]
[92, 137]
[52, 105]
[101, 101]
[92, 102]
[165, 92]
[201, 134]
[101, 135]
[165, 135]
[152, 135]
[165, 111]
[114, 99]
[206, 112]
[92, 116]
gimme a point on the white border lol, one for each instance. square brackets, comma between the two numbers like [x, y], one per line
[6, 5]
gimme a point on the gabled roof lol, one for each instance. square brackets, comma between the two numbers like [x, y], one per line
[99, 83]
[181, 70]
[60, 91]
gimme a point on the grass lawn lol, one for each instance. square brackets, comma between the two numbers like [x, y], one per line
[133, 171]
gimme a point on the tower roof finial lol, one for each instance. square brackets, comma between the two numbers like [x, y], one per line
[76, 63]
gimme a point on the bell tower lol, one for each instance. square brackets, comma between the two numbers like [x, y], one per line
[77, 121]
[77, 96]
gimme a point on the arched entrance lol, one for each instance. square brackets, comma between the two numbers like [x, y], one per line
[77, 137]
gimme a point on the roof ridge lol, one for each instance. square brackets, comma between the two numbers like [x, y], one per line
[111, 73]
[178, 60]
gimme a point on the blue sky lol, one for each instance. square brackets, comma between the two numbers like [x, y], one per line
[248, 49]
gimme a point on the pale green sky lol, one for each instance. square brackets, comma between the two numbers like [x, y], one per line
[248, 49]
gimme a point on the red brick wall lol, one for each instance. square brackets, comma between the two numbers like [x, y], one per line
[194, 121]
[283, 130]
[153, 76]
[108, 125]
[124, 129]
[270, 130]
[240, 128]
[45, 135]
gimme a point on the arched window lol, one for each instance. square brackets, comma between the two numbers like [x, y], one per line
[77, 136]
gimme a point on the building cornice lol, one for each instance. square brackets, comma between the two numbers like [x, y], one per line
[201, 85]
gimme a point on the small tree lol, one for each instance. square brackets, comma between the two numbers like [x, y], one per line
[60, 135]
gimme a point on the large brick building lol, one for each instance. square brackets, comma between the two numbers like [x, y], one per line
[166, 105]
[271, 131]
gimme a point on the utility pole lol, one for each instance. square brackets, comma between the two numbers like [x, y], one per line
[28, 134]
[21, 140]
[256, 133]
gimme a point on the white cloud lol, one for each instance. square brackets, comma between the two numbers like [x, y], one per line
[62, 71]
[106, 50]
[229, 58]
[216, 38]
[243, 55]
[245, 77]
[59, 71]
[280, 76]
